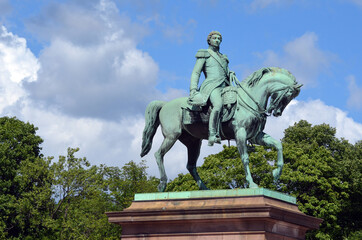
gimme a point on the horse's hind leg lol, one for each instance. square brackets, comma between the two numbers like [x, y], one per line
[193, 151]
[166, 145]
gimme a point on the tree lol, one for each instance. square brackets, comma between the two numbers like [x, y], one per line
[66, 199]
[84, 193]
[82, 197]
[131, 179]
[312, 174]
[24, 180]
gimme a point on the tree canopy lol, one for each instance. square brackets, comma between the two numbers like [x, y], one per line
[66, 198]
[44, 198]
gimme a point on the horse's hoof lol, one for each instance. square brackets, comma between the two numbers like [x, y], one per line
[253, 185]
[161, 187]
[214, 139]
[203, 187]
[276, 174]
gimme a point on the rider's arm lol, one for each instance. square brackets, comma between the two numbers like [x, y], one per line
[195, 76]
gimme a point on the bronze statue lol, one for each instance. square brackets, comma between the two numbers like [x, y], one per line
[243, 116]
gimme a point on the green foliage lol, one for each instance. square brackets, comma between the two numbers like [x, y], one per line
[312, 174]
[66, 199]
[85, 193]
[25, 181]
[18, 143]
[131, 179]
[80, 192]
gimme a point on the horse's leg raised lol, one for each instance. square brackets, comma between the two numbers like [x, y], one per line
[267, 140]
[240, 138]
[166, 145]
[193, 151]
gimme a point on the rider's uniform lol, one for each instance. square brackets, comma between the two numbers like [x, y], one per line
[216, 72]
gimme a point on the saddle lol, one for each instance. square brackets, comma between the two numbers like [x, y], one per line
[192, 114]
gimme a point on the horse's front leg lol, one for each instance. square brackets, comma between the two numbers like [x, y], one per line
[240, 138]
[266, 140]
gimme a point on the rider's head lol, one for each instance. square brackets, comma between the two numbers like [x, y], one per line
[211, 34]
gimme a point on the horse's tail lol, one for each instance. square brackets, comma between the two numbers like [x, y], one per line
[151, 123]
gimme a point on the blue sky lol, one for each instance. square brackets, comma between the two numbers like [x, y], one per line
[83, 71]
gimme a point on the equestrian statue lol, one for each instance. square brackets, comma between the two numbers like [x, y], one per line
[222, 108]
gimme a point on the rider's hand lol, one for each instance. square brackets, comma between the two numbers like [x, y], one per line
[193, 92]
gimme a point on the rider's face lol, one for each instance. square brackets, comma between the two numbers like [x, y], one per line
[215, 40]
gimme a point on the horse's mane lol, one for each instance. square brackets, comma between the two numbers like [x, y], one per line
[255, 77]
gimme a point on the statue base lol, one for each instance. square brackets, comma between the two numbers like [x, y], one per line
[215, 214]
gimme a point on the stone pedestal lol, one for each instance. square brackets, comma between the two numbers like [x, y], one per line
[221, 214]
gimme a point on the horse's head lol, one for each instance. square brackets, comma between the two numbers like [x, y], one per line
[277, 83]
[280, 98]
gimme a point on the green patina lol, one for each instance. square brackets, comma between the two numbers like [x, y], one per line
[264, 93]
[215, 194]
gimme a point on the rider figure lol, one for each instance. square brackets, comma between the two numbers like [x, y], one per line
[214, 65]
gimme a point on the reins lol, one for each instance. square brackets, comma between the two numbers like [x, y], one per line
[260, 110]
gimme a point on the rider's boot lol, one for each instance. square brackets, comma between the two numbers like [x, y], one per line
[214, 122]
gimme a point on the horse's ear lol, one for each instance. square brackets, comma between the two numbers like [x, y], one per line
[299, 86]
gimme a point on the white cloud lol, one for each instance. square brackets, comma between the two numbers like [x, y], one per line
[74, 74]
[93, 68]
[106, 142]
[302, 57]
[101, 81]
[17, 65]
[355, 91]
[315, 112]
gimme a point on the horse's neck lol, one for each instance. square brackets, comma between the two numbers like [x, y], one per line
[259, 92]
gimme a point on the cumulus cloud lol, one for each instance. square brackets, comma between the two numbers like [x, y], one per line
[315, 112]
[78, 77]
[113, 143]
[17, 65]
[302, 57]
[355, 91]
[92, 68]
[84, 23]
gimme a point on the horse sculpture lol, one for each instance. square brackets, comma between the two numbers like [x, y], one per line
[275, 86]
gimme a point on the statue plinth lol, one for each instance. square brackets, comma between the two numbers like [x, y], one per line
[219, 214]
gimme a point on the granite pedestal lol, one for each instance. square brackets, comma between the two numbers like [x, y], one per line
[220, 214]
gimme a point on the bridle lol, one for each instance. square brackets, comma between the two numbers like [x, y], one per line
[261, 111]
